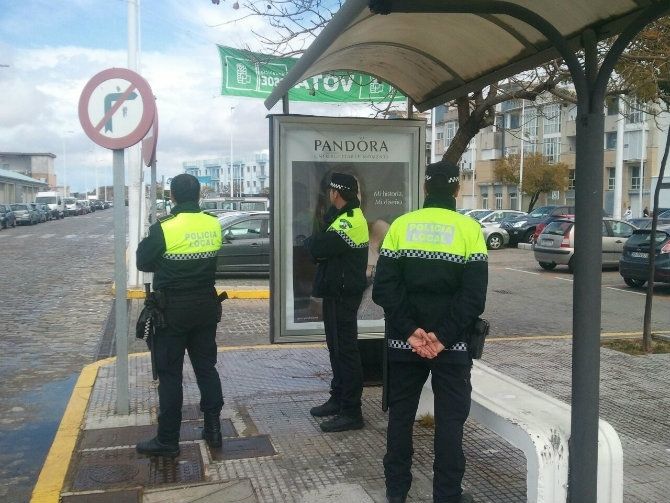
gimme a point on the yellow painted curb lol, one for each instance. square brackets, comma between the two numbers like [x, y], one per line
[137, 293]
[52, 476]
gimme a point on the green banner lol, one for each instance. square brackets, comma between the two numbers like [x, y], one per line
[255, 75]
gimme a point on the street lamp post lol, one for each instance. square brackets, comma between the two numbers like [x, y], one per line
[62, 139]
[232, 171]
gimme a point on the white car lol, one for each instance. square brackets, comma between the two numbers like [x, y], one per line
[494, 236]
[495, 217]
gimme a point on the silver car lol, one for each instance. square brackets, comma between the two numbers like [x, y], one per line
[556, 244]
[494, 236]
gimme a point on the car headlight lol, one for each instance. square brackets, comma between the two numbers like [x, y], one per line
[518, 224]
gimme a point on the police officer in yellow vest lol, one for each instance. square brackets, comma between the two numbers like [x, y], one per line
[341, 253]
[181, 251]
[431, 281]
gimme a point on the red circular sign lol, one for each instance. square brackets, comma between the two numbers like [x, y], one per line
[116, 108]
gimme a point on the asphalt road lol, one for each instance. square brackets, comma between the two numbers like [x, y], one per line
[55, 296]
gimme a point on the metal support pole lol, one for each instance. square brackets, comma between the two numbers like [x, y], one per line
[152, 192]
[121, 326]
[618, 169]
[285, 104]
[523, 129]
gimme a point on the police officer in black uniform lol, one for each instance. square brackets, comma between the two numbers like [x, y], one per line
[341, 253]
[431, 281]
[181, 251]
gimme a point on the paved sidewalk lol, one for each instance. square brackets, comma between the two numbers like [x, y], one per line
[275, 452]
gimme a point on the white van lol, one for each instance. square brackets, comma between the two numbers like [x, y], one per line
[53, 200]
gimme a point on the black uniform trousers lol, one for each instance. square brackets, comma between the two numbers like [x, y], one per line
[191, 319]
[451, 390]
[341, 326]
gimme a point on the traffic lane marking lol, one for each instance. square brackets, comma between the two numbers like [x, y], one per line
[570, 280]
[521, 270]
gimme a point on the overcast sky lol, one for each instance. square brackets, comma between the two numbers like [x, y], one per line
[50, 49]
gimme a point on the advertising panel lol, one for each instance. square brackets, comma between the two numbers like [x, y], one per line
[383, 155]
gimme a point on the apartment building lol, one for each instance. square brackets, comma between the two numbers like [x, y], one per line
[250, 176]
[547, 126]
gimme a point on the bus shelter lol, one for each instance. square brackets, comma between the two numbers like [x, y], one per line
[436, 50]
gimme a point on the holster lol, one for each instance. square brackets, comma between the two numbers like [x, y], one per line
[476, 338]
[219, 308]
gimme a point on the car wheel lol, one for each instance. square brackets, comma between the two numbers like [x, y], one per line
[548, 266]
[571, 265]
[528, 237]
[494, 242]
[634, 283]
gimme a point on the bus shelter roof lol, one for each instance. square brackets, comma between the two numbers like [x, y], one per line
[434, 57]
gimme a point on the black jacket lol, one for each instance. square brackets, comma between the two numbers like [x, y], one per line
[432, 273]
[341, 254]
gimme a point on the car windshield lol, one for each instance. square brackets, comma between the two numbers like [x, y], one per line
[47, 199]
[558, 228]
[479, 214]
[16, 207]
[69, 200]
[540, 212]
[226, 219]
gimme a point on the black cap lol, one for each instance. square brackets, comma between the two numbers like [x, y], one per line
[342, 181]
[443, 168]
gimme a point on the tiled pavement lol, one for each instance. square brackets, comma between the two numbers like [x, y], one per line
[282, 456]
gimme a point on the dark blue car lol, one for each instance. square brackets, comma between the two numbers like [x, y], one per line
[7, 218]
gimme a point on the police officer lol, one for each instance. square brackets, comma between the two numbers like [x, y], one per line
[431, 281]
[341, 253]
[181, 251]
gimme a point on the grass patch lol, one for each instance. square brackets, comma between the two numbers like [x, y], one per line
[427, 421]
[634, 346]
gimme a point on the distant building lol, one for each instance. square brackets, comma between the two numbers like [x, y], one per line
[39, 166]
[18, 188]
[250, 176]
[548, 126]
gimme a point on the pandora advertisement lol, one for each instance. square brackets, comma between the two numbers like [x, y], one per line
[383, 156]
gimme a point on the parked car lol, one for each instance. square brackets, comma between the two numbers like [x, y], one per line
[85, 206]
[478, 214]
[496, 217]
[7, 218]
[72, 208]
[48, 212]
[494, 236]
[25, 214]
[246, 243]
[634, 262]
[521, 229]
[556, 244]
[645, 222]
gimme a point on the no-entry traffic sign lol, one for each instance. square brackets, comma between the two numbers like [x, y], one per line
[116, 108]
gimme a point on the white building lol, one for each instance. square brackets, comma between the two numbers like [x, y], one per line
[250, 176]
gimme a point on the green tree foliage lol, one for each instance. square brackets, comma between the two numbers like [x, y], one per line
[538, 175]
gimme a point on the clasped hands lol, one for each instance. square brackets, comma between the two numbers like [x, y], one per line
[425, 344]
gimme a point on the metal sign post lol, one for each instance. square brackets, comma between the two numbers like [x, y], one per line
[116, 110]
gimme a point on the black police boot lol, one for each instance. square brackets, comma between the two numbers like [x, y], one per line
[211, 433]
[342, 423]
[330, 408]
[396, 499]
[155, 447]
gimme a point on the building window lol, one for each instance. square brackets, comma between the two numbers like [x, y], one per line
[485, 201]
[439, 135]
[551, 149]
[530, 123]
[610, 140]
[571, 179]
[611, 174]
[513, 203]
[633, 113]
[552, 119]
[612, 103]
[514, 120]
[499, 200]
[529, 147]
[451, 128]
[634, 172]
